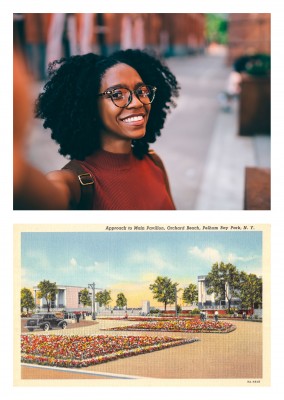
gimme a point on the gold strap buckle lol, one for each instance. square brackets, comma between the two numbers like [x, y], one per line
[86, 179]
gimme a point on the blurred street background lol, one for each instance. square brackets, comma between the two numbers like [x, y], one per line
[216, 143]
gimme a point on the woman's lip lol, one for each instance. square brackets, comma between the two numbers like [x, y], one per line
[134, 120]
[133, 116]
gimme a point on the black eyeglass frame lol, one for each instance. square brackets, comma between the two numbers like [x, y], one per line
[109, 92]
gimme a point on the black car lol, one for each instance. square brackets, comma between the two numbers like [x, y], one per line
[45, 321]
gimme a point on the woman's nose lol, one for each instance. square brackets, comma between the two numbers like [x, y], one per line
[135, 102]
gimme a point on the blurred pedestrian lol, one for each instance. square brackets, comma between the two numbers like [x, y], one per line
[216, 316]
[132, 32]
[61, 37]
[104, 112]
[36, 29]
[242, 64]
[85, 33]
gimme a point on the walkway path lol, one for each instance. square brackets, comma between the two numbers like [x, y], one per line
[237, 355]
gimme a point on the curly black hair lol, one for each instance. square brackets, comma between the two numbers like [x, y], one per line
[69, 103]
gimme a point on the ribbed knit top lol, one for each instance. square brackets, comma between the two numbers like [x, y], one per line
[122, 182]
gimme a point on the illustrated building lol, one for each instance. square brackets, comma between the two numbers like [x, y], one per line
[206, 300]
[146, 307]
[67, 299]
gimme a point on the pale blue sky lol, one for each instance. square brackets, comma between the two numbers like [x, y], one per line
[130, 261]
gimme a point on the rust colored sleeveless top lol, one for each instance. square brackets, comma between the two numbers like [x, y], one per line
[122, 182]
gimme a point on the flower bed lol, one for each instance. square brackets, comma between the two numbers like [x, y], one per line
[180, 325]
[146, 318]
[83, 351]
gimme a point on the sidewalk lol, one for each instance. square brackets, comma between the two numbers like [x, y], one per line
[206, 158]
[223, 182]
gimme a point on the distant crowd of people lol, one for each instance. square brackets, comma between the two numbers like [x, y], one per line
[204, 315]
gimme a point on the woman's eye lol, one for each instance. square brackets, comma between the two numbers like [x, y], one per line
[143, 92]
[117, 95]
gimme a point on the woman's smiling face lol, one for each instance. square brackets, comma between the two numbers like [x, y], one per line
[122, 123]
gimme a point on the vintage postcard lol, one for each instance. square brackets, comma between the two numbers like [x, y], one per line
[142, 305]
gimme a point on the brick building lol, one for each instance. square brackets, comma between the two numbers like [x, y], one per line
[172, 34]
[168, 34]
[248, 34]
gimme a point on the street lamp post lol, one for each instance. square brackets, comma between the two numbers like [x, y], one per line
[176, 301]
[93, 287]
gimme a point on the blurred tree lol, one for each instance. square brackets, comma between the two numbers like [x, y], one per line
[216, 28]
[121, 300]
[48, 291]
[224, 281]
[250, 290]
[85, 297]
[103, 298]
[164, 290]
[190, 294]
[27, 300]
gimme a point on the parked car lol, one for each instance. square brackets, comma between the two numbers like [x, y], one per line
[45, 321]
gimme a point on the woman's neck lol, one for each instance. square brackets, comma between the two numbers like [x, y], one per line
[116, 146]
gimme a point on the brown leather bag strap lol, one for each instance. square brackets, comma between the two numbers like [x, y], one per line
[87, 185]
[156, 159]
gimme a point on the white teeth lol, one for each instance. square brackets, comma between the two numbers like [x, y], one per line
[133, 119]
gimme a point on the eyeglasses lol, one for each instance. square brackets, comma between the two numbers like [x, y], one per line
[122, 96]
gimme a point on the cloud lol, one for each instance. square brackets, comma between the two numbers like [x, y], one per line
[25, 279]
[149, 257]
[98, 267]
[101, 269]
[233, 258]
[35, 265]
[38, 259]
[213, 255]
[95, 267]
[73, 262]
[208, 254]
[148, 277]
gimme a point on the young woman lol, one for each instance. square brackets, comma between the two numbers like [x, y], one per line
[104, 112]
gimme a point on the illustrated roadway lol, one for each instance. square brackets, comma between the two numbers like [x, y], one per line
[234, 355]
